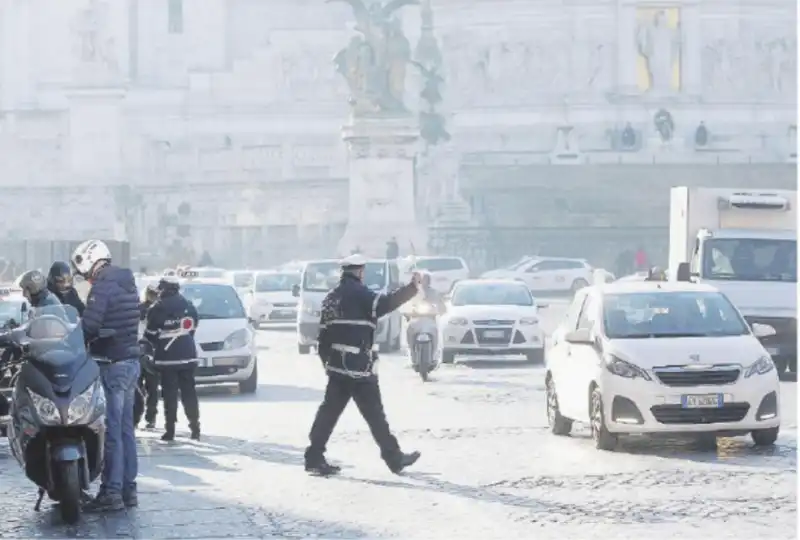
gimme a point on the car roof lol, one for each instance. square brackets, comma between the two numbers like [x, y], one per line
[490, 281]
[631, 287]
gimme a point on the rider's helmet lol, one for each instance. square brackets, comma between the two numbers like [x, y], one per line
[33, 285]
[169, 285]
[60, 276]
[89, 257]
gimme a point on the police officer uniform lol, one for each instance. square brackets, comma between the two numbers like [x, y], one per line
[349, 317]
[171, 323]
[149, 381]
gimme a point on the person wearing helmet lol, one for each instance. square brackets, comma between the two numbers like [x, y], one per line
[170, 327]
[147, 406]
[59, 282]
[349, 317]
[34, 289]
[113, 304]
[428, 295]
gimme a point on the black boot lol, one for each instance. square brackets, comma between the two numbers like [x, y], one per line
[319, 466]
[195, 435]
[401, 461]
[169, 434]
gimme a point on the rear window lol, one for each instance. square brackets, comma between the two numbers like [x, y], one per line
[242, 279]
[439, 265]
[214, 301]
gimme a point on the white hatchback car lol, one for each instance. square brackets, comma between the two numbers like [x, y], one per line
[491, 317]
[548, 274]
[656, 357]
[270, 298]
[226, 347]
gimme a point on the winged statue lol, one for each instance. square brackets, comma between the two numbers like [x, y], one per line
[374, 62]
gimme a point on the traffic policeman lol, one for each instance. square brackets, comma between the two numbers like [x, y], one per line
[170, 327]
[349, 318]
[149, 382]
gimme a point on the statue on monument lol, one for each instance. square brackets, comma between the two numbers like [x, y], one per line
[96, 44]
[374, 62]
[659, 44]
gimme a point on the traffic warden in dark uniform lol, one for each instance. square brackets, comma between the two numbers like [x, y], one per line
[349, 318]
[59, 282]
[171, 323]
[149, 379]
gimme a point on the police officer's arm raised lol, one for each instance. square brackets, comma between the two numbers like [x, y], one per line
[381, 304]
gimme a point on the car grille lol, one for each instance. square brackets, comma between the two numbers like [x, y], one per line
[705, 377]
[212, 346]
[675, 414]
[493, 322]
[502, 340]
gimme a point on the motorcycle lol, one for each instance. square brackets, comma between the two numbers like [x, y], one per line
[9, 368]
[58, 407]
[422, 333]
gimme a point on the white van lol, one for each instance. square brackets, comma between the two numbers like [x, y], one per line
[445, 271]
[319, 277]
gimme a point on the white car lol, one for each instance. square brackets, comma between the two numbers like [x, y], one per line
[656, 357]
[445, 271]
[270, 298]
[226, 347]
[491, 317]
[242, 280]
[548, 274]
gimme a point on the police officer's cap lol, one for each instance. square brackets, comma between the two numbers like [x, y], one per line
[169, 282]
[353, 261]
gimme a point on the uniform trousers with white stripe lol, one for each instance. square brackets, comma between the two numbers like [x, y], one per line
[367, 395]
[179, 380]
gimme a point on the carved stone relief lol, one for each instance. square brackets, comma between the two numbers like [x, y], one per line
[95, 46]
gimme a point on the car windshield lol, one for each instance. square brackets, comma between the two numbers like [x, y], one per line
[242, 280]
[670, 314]
[322, 277]
[214, 301]
[11, 310]
[51, 337]
[750, 259]
[492, 294]
[276, 282]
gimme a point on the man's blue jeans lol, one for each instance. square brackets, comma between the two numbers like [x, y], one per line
[121, 463]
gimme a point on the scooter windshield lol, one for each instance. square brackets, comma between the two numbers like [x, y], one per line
[53, 337]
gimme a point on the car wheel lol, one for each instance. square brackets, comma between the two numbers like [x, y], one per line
[303, 349]
[250, 385]
[765, 437]
[535, 356]
[448, 357]
[558, 424]
[577, 285]
[603, 439]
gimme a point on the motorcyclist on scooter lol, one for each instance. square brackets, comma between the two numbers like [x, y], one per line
[34, 288]
[59, 282]
[427, 295]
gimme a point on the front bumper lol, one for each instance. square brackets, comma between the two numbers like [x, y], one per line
[639, 406]
[226, 366]
[486, 340]
[272, 314]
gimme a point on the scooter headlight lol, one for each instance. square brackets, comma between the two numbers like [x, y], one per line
[84, 404]
[46, 409]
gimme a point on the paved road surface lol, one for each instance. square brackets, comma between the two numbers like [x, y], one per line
[489, 469]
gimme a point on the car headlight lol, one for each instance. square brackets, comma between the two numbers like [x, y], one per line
[46, 410]
[237, 340]
[760, 366]
[82, 407]
[529, 320]
[621, 368]
[458, 321]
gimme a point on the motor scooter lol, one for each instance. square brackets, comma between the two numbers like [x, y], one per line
[422, 332]
[58, 407]
[9, 368]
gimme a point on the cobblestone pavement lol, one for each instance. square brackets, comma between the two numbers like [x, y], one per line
[489, 469]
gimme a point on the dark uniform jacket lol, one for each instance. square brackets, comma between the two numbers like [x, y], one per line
[143, 307]
[113, 303]
[171, 323]
[69, 297]
[349, 318]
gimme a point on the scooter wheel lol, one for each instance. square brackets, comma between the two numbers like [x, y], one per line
[69, 491]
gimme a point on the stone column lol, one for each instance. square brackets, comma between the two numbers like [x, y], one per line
[626, 48]
[382, 152]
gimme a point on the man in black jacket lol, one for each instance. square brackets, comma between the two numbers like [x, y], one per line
[59, 282]
[171, 323]
[349, 317]
[149, 379]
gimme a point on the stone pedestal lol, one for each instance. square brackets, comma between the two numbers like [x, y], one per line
[382, 154]
[95, 130]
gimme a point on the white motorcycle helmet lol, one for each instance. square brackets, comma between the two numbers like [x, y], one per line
[87, 255]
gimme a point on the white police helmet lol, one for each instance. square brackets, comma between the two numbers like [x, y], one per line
[353, 261]
[87, 255]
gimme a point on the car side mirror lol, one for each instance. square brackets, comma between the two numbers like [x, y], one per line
[542, 305]
[252, 321]
[106, 333]
[684, 272]
[296, 291]
[581, 336]
[763, 330]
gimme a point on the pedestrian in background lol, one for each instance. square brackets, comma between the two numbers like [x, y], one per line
[349, 317]
[113, 304]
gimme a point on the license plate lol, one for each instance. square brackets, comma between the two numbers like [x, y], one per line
[773, 351]
[697, 401]
[493, 333]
